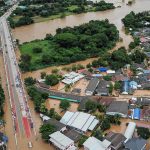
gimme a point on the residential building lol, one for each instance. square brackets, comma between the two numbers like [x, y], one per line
[118, 107]
[61, 141]
[92, 86]
[102, 88]
[125, 87]
[72, 134]
[136, 144]
[72, 77]
[79, 121]
[116, 139]
[145, 113]
[58, 125]
[93, 143]
[129, 131]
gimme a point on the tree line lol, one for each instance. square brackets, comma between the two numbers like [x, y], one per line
[71, 45]
[29, 9]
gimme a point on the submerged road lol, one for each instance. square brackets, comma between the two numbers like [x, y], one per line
[21, 116]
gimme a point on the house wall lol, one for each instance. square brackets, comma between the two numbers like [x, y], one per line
[89, 93]
[115, 113]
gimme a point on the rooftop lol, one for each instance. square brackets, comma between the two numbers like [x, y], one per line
[58, 125]
[116, 139]
[92, 85]
[93, 143]
[78, 120]
[119, 107]
[61, 139]
[135, 144]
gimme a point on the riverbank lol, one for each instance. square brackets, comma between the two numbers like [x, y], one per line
[39, 30]
[69, 45]
[32, 12]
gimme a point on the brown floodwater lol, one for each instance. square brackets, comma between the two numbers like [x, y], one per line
[39, 30]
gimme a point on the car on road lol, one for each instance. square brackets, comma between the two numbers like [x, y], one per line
[30, 144]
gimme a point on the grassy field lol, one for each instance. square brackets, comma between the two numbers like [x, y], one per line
[27, 48]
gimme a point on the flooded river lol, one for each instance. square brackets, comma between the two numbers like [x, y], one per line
[39, 30]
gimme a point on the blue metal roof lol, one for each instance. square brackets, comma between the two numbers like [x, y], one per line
[102, 69]
[125, 86]
[136, 114]
[146, 71]
[133, 84]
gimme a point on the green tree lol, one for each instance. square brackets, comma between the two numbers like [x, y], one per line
[117, 85]
[43, 109]
[37, 50]
[90, 106]
[110, 88]
[46, 130]
[143, 132]
[105, 124]
[101, 108]
[51, 80]
[64, 104]
[43, 75]
[66, 39]
[107, 78]
[82, 140]
[98, 134]
[29, 81]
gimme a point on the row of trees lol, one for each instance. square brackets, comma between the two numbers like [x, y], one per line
[29, 9]
[93, 106]
[72, 44]
[118, 59]
[133, 20]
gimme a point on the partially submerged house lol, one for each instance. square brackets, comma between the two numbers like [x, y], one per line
[136, 144]
[129, 131]
[93, 143]
[79, 121]
[118, 107]
[61, 141]
[72, 77]
[92, 86]
[116, 139]
[102, 88]
[58, 125]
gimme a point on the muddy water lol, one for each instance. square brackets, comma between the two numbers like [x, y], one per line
[39, 30]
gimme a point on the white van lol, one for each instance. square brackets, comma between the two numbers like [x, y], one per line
[30, 144]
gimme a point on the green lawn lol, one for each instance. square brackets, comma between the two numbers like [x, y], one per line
[27, 49]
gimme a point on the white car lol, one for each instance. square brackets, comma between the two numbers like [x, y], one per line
[30, 144]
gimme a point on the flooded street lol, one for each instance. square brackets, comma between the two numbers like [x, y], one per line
[39, 30]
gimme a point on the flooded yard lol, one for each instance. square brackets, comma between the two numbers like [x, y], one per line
[52, 103]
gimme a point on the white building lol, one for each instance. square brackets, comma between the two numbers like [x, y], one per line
[80, 121]
[129, 131]
[72, 77]
[93, 143]
[61, 141]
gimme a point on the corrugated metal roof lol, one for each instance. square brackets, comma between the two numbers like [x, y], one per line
[130, 130]
[78, 120]
[92, 85]
[88, 123]
[93, 143]
[60, 139]
[93, 125]
[137, 113]
[67, 116]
